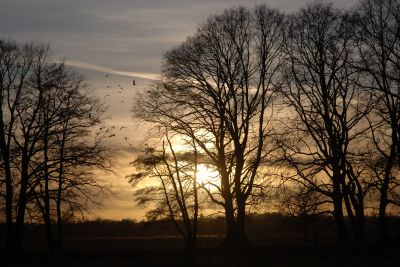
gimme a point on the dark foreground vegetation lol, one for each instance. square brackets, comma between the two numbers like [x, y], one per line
[278, 241]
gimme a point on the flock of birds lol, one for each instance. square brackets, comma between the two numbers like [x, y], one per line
[120, 88]
[109, 131]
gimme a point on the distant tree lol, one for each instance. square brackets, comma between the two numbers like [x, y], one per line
[379, 50]
[218, 89]
[302, 203]
[326, 126]
[175, 190]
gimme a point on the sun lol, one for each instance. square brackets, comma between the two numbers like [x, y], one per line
[207, 177]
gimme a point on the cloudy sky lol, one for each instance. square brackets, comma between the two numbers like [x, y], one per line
[124, 39]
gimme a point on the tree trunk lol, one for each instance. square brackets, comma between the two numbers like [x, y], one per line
[22, 200]
[58, 210]
[383, 201]
[382, 213]
[20, 220]
[9, 199]
[362, 234]
[236, 236]
[47, 211]
[343, 236]
[5, 152]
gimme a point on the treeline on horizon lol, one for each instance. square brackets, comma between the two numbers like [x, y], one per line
[297, 111]
[269, 229]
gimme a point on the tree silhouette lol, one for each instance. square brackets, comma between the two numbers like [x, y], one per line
[327, 123]
[175, 192]
[218, 89]
[46, 118]
[378, 34]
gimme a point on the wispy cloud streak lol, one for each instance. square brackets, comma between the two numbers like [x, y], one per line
[88, 66]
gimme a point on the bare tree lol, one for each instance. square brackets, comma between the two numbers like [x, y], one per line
[176, 189]
[43, 101]
[326, 126]
[68, 150]
[302, 203]
[14, 69]
[218, 89]
[379, 50]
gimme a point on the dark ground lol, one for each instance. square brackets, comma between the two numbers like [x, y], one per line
[277, 242]
[260, 256]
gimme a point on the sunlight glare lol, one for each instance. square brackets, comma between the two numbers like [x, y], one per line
[207, 176]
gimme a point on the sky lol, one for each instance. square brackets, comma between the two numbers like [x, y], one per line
[112, 42]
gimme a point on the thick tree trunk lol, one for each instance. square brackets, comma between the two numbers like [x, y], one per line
[343, 236]
[22, 201]
[20, 220]
[362, 237]
[236, 236]
[382, 213]
[350, 214]
[5, 152]
[383, 201]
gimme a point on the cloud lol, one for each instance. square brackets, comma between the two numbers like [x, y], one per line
[89, 66]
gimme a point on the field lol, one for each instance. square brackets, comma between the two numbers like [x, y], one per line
[281, 243]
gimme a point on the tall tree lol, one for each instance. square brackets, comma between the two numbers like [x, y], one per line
[15, 65]
[43, 102]
[379, 49]
[218, 89]
[326, 128]
[67, 150]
